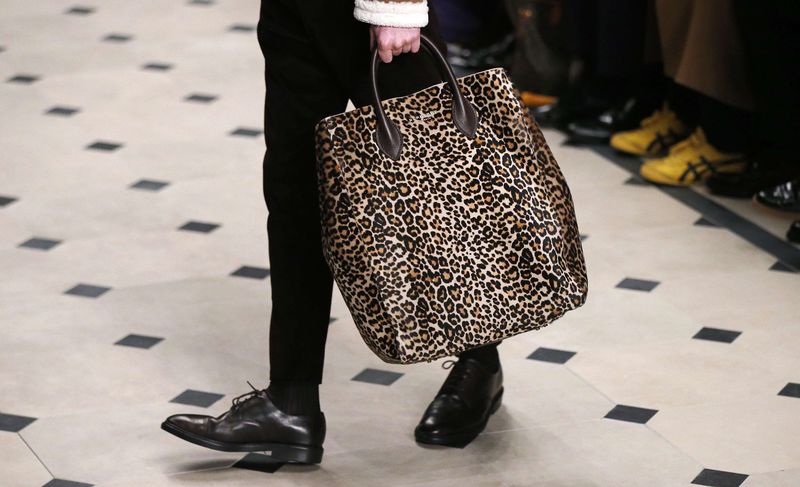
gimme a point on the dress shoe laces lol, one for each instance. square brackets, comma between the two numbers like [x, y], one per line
[238, 401]
[460, 373]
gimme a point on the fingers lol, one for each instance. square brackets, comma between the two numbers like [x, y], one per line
[394, 41]
[385, 55]
[387, 49]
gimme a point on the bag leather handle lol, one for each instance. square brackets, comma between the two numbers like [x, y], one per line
[388, 136]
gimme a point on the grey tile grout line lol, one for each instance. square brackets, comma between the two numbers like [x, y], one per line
[36, 455]
[783, 251]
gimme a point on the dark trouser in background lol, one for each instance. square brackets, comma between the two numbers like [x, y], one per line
[771, 38]
[317, 57]
[608, 35]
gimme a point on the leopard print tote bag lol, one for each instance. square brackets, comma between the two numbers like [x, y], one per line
[447, 223]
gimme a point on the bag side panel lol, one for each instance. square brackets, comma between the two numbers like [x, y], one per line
[344, 249]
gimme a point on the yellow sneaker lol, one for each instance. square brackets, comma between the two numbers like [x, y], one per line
[691, 160]
[655, 134]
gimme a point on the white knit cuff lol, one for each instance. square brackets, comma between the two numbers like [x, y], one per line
[392, 14]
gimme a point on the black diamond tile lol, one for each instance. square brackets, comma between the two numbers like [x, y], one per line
[80, 10]
[242, 28]
[14, 423]
[87, 291]
[62, 111]
[149, 185]
[781, 267]
[246, 132]
[636, 181]
[202, 227]
[251, 272]
[103, 145]
[23, 79]
[332, 319]
[6, 200]
[790, 390]
[258, 462]
[637, 284]
[66, 483]
[583, 237]
[201, 98]
[139, 341]
[197, 398]
[39, 243]
[719, 478]
[117, 37]
[551, 355]
[201, 2]
[2, 48]
[705, 222]
[717, 335]
[157, 66]
[374, 376]
[631, 414]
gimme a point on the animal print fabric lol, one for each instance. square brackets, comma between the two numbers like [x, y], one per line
[459, 243]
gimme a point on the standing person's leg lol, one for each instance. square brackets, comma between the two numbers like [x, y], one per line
[711, 64]
[772, 39]
[769, 37]
[285, 420]
[299, 91]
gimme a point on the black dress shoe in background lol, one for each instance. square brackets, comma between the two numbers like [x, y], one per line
[793, 235]
[782, 200]
[576, 103]
[254, 423]
[624, 116]
[756, 177]
[463, 405]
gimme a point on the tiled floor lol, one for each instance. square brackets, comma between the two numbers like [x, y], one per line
[135, 285]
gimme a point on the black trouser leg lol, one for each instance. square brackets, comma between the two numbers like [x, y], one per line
[299, 91]
[771, 36]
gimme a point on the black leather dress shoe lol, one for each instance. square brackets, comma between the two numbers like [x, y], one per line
[254, 423]
[755, 178]
[573, 105]
[463, 405]
[623, 116]
[783, 199]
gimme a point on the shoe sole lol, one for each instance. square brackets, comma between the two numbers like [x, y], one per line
[786, 215]
[461, 438]
[281, 452]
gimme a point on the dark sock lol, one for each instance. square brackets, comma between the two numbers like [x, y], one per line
[727, 128]
[486, 355]
[296, 398]
[684, 102]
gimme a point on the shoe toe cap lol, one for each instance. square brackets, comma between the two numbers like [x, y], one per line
[444, 414]
[622, 141]
[188, 422]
